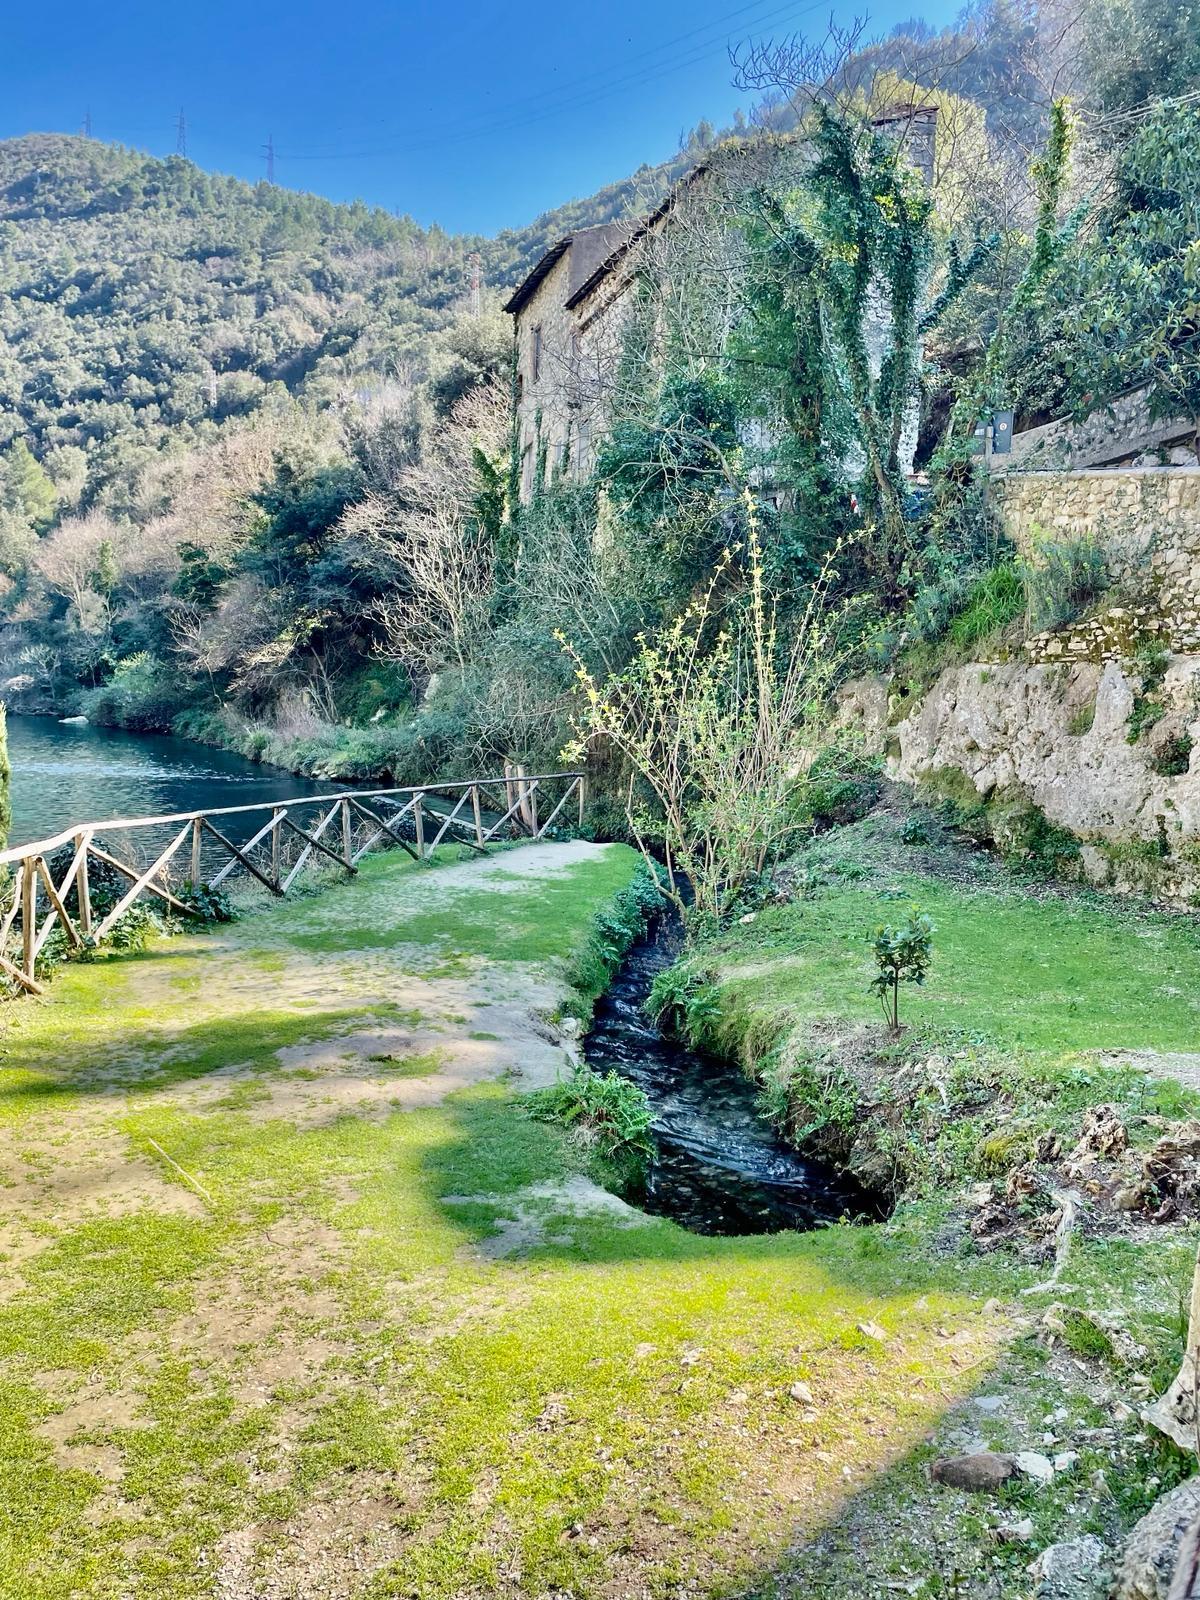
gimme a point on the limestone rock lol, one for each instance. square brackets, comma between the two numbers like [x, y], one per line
[1015, 1532]
[1011, 732]
[1032, 1464]
[1073, 1570]
[1152, 1548]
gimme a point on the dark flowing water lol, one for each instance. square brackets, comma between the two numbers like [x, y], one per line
[64, 773]
[718, 1167]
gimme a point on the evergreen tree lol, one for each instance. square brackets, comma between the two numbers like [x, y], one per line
[5, 779]
[27, 489]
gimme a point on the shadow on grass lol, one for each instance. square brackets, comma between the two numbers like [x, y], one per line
[150, 1058]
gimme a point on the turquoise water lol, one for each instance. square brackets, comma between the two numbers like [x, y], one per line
[66, 773]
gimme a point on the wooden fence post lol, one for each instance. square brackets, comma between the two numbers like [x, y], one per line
[523, 792]
[28, 913]
[582, 782]
[197, 837]
[419, 826]
[276, 838]
[478, 815]
[346, 833]
[83, 887]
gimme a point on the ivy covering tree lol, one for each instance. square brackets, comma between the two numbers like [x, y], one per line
[836, 296]
[1134, 313]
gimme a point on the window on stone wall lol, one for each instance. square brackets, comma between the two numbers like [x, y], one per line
[537, 353]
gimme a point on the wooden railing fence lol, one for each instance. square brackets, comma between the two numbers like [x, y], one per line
[344, 828]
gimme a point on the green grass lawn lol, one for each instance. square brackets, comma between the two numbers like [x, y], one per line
[281, 1316]
[1043, 974]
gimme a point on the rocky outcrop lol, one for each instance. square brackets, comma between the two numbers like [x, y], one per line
[1100, 751]
[1152, 1549]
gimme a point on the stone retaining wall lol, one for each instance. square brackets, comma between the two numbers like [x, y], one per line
[1147, 522]
[1096, 750]
[1135, 513]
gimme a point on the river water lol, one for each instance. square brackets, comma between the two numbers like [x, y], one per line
[718, 1165]
[65, 773]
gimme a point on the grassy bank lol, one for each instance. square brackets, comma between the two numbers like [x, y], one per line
[300, 1301]
[1051, 1048]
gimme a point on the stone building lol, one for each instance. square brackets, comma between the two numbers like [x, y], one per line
[571, 312]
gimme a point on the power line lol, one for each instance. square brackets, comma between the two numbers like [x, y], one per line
[716, 25]
[564, 97]
[269, 148]
[181, 135]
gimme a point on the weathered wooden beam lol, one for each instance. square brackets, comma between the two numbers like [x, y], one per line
[53, 896]
[381, 828]
[131, 872]
[238, 856]
[28, 916]
[83, 886]
[496, 826]
[219, 878]
[278, 819]
[143, 882]
[313, 839]
[447, 823]
[10, 916]
[313, 843]
[28, 983]
[419, 826]
[550, 819]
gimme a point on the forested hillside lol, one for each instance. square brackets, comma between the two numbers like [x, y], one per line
[145, 300]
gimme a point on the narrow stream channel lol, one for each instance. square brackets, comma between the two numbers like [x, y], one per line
[718, 1166]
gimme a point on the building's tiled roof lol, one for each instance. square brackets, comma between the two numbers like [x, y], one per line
[525, 291]
[596, 252]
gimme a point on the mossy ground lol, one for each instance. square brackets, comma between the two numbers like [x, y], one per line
[360, 1335]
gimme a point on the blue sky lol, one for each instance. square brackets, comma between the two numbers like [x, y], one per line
[477, 114]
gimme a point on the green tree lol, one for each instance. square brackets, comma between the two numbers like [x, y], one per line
[5, 779]
[903, 954]
[107, 573]
[1137, 51]
[1134, 310]
[27, 488]
[837, 273]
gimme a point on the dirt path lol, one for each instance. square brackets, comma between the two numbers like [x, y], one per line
[411, 1024]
